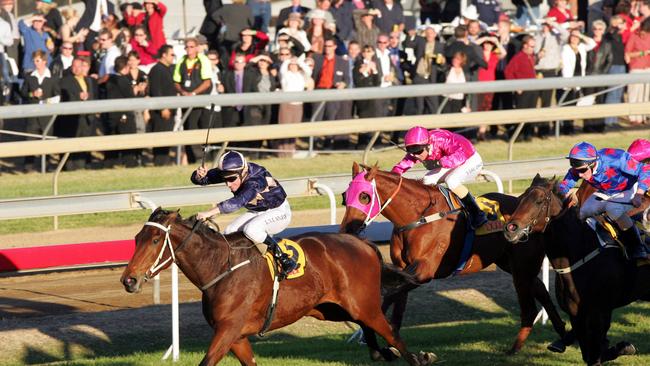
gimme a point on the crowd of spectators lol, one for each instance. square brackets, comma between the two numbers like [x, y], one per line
[54, 56]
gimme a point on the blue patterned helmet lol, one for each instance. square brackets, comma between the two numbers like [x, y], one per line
[233, 162]
[581, 154]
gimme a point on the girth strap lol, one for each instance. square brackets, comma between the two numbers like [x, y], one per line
[221, 276]
[428, 219]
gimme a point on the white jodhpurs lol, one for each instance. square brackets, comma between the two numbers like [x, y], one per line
[456, 176]
[601, 202]
[257, 225]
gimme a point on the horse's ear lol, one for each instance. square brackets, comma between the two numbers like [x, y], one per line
[372, 173]
[537, 177]
[355, 169]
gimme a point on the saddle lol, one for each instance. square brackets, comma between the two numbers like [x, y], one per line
[496, 221]
[293, 250]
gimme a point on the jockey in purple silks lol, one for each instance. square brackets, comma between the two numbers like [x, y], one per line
[256, 190]
[620, 180]
[448, 157]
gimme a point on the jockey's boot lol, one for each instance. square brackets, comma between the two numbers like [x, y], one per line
[476, 216]
[632, 240]
[287, 263]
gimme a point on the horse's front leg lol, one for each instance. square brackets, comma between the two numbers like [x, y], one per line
[527, 308]
[244, 352]
[224, 338]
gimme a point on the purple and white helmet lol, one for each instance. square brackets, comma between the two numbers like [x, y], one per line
[233, 161]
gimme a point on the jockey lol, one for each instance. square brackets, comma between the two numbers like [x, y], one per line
[640, 150]
[255, 189]
[619, 180]
[449, 157]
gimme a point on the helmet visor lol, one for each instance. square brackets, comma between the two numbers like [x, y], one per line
[415, 149]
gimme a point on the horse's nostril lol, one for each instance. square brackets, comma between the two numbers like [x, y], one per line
[511, 227]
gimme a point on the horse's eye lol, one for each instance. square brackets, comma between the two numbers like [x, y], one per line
[155, 242]
[364, 198]
[539, 202]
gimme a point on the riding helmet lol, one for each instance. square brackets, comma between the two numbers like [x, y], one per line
[640, 149]
[417, 135]
[581, 154]
[233, 161]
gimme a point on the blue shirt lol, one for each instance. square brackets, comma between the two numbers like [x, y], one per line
[259, 191]
[615, 171]
[33, 41]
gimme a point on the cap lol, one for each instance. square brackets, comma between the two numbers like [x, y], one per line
[582, 153]
[470, 13]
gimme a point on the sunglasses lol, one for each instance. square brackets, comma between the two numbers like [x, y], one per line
[581, 170]
[285, 54]
[415, 150]
[231, 178]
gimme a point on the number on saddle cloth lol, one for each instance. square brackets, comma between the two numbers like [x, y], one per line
[293, 250]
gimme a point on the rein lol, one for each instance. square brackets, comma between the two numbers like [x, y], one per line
[377, 200]
[157, 265]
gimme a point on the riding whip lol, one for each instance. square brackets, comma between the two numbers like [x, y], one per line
[205, 147]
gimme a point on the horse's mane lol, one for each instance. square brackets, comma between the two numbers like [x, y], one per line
[202, 229]
[542, 182]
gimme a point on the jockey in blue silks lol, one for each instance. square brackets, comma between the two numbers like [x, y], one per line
[619, 180]
[256, 190]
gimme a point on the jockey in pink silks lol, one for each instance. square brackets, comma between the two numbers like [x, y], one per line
[448, 157]
[640, 150]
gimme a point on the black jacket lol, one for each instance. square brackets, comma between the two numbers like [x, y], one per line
[599, 60]
[50, 87]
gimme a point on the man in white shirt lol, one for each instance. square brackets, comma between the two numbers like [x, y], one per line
[106, 67]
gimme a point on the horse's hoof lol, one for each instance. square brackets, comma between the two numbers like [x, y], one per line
[390, 353]
[625, 348]
[376, 356]
[557, 346]
[427, 358]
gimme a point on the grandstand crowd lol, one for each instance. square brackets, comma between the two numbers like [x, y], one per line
[121, 51]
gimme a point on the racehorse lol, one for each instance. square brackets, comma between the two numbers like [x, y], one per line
[434, 250]
[592, 280]
[341, 282]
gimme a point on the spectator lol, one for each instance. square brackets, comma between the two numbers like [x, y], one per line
[322, 11]
[430, 63]
[430, 11]
[34, 38]
[106, 66]
[402, 68]
[232, 19]
[39, 88]
[488, 11]
[561, 14]
[261, 10]
[61, 64]
[137, 77]
[7, 14]
[123, 39]
[161, 84]
[77, 87]
[6, 40]
[367, 74]
[283, 54]
[217, 87]
[504, 100]
[152, 18]
[493, 52]
[599, 60]
[210, 28]
[68, 30]
[91, 19]
[249, 46]
[146, 50]
[367, 32]
[522, 66]
[348, 107]
[342, 11]
[457, 103]
[293, 28]
[472, 52]
[615, 37]
[387, 74]
[527, 12]
[549, 61]
[295, 76]
[637, 55]
[294, 46]
[331, 72]
[192, 76]
[267, 82]
[295, 7]
[390, 17]
[574, 63]
[53, 19]
[318, 30]
[118, 86]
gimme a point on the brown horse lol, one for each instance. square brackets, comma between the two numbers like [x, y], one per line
[342, 282]
[433, 250]
[591, 281]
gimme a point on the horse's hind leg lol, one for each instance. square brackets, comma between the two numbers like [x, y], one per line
[244, 352]
[376, 353]
[528, 311]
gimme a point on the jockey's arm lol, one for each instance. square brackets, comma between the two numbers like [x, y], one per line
[244, 195]
[405, 164]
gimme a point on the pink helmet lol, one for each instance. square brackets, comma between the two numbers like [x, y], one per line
[639, 149]
[417, 135]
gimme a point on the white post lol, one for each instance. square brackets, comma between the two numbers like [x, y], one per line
[330, 194]
[545, 279]
[175, 320]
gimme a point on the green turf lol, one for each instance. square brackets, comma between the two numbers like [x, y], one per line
[30, 185]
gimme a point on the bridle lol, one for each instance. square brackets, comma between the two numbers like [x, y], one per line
[158, 265]
[375, 199]
[547, 218]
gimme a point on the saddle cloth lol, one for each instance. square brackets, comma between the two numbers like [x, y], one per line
[294, 250]
[496, 221]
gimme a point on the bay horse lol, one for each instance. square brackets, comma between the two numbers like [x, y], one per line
[434, 250]
[342, 281]
[592, 280]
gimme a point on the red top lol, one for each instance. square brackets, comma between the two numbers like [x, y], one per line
[489, 74]
[147, 54]
[639, 42]
[559, 15]
[154, 25]
[521, 66]
[262, 39]
[326, 80]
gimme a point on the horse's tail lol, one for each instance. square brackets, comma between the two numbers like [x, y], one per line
[393, 278]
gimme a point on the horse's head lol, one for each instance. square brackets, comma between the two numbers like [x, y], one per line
[537, 205]
[153, 250]
[361, 199]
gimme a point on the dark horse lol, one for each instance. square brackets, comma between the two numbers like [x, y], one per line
[434, 250]
[342, 282]
[591, 281]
